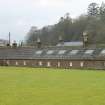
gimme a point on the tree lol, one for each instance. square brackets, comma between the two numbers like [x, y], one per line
[32, 35]
[64, 27]
[72, 29]
[93, 9]
[102, 12]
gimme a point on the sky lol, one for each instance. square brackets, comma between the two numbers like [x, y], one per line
[18, 16]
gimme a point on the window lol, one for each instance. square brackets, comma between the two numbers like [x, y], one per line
[16, 63]
[39, 52]
[40, 63]
[50, 52]
[89, 51]
[81, 64]
[48, 64]
[24, 63]
[8, 62]
[59, 64]
[61, 52]
[71, 64]
[73, 52]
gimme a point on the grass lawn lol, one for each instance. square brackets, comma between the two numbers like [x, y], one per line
[32, 86]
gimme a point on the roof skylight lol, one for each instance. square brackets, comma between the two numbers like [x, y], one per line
[89, 51]
[50, 52]
[61, 52]
[103, 52]
[38, 52]
[73, 52]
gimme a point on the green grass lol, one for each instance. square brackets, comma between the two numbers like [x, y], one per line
[32, 86]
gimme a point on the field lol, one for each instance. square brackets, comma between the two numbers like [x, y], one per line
[33, 86]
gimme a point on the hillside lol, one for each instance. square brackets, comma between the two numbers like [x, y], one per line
[69, 29]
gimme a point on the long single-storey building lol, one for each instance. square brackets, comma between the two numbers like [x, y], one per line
[53, 57]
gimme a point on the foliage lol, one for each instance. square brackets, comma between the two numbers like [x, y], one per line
[93, 9]
[102, 12]
[72, 29]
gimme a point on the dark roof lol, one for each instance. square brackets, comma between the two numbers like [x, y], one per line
[52, 53]
[70, 44]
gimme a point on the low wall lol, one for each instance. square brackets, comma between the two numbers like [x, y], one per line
[48, 63]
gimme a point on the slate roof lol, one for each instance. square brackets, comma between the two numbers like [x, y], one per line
[52, 53]
[70, 44]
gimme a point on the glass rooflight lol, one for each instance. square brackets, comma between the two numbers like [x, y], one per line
[73, 52]
[50, 52]
[89, 51]
[103, 52]
[39, 52]
[61, 52]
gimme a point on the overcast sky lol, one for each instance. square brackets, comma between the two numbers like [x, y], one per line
[17, 16]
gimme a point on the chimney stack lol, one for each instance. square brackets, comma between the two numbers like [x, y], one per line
[9, 38]
[38, 43]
